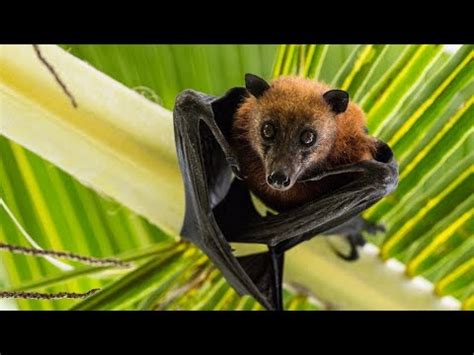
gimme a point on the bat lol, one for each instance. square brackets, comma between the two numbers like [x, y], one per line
[219, 209]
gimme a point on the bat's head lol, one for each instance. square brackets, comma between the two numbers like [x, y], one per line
[291, 124]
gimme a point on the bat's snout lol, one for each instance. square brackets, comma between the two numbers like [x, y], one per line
[279, 180]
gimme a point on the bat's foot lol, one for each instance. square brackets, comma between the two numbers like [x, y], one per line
[373, 228]
[355, 241]
[352, 231]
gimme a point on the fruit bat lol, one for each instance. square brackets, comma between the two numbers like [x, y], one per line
[219, 209]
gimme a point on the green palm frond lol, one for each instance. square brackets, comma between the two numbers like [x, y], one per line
[33, 189]
[417, 98]
[423, 109]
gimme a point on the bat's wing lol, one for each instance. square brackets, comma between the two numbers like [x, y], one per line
[376, 179]
[215, 202]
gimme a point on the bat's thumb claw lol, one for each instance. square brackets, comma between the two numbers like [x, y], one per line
[238, 174]
[235, 168]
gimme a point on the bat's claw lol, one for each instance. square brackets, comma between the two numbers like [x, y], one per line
[355, 238]
[355, 241]
[373, 228]
[238, 174]
[235, 168]
[358, 239]
[352, 256]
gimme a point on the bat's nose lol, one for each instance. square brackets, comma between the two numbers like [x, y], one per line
[278, 180]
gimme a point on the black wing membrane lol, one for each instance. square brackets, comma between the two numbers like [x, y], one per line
[207, 164]
[219, 209]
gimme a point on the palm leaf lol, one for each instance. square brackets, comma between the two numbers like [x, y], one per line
[98, 219]
[133, 138]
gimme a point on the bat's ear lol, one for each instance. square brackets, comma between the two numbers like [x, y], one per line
[256, 85]
[337, 100]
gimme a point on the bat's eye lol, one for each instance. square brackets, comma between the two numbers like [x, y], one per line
[268, 131]
[308, 138]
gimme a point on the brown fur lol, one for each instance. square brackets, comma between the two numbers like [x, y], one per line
[295, 102]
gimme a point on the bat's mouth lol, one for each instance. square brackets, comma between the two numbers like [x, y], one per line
[280, 188]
